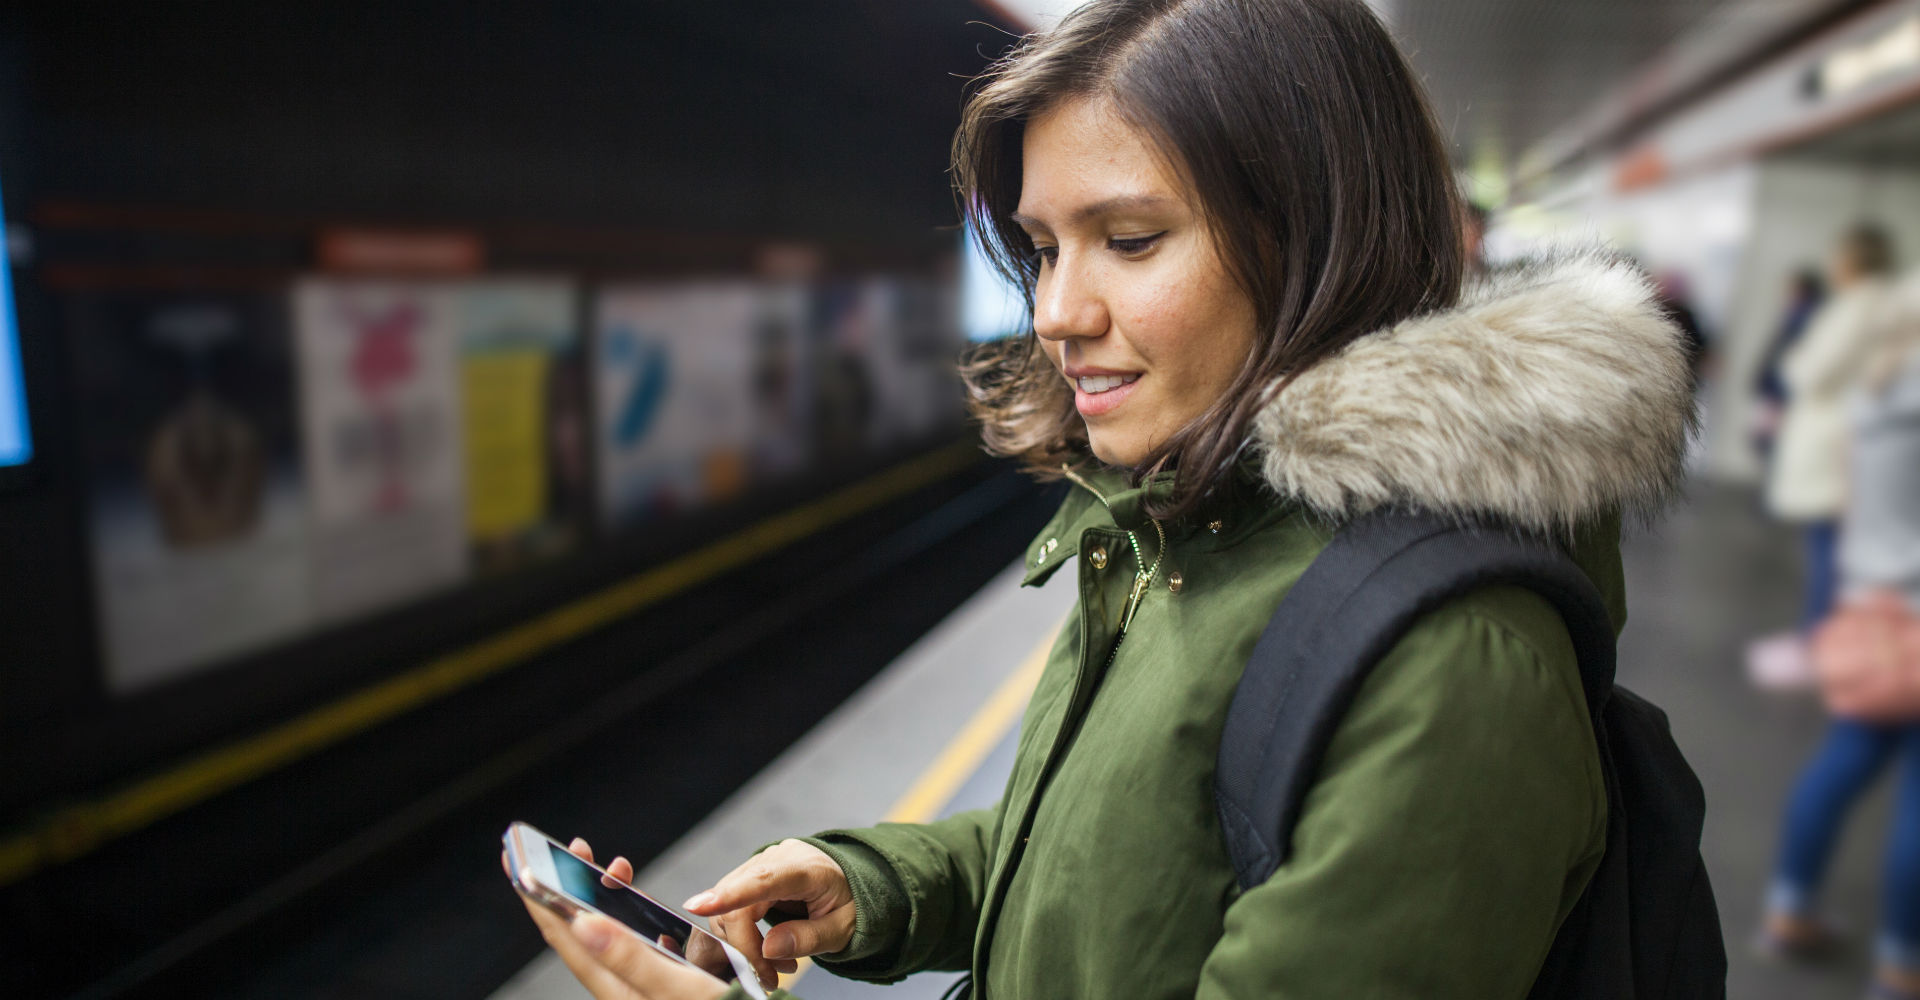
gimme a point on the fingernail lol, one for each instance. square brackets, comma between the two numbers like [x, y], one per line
[593, 933]
[576, 843]
[774, 947]
[701, 901]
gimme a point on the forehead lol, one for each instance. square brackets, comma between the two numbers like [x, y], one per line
[1083, 152]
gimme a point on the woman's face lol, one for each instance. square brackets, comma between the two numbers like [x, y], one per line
[1133, 306]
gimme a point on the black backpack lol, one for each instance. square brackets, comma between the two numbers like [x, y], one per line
[1646, 928]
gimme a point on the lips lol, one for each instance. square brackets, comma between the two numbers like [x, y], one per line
[1097, 393]
[1092, 384]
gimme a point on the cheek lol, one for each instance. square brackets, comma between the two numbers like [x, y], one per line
[1156, 317]
[1182, 330]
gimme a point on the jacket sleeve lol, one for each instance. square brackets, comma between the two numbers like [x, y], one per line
[1460, 812]
[917, 891]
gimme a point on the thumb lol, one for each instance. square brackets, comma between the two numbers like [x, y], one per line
[797, 938]
[638, 966]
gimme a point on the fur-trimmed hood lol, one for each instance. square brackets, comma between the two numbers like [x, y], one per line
[1553, 393]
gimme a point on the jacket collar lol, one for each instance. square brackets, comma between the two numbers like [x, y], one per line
[1221, 524]
[1554, 394]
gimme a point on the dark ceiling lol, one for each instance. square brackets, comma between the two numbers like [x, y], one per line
[825, 119]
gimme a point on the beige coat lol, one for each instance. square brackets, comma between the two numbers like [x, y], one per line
[1809, 478]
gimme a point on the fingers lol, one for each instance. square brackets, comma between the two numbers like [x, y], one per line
[619, 870]
[794, 938]
[614, 964]
[741, 928]
[768, 877]
[791, 871]
[647, 972]
[597, 978]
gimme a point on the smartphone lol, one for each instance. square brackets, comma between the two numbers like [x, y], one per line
[549, 874]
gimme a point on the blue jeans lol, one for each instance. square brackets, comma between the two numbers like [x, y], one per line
[1853, 755]
[1823, 573]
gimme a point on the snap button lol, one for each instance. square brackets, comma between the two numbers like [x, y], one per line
[1040, 556]
[1215, 526]
[1175, 582]
[1052, 543]
[1098, 557]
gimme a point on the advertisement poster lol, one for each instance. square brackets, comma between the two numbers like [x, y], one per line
[673, 370]
[849, 319]
[197, 513]
[918, 367]
[524, 420]
[380, 405]
[885, 356]
[782, 384]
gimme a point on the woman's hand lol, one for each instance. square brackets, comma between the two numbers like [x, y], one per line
[610, 960]
[791, 876]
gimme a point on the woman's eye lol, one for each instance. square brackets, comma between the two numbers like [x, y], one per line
[1043, 256]
[1131, 246]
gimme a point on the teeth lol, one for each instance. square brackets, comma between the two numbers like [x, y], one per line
[1101, 383]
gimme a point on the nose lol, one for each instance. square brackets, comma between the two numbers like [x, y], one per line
[1067, 302]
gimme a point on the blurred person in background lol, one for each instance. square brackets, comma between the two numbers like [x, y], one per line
[1229, 353]
[1879, 559]
[1805, 292]
[1476, 239]
[1671, 288]
[1807, 483]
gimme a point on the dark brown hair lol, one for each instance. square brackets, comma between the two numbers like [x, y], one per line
[1312, 156]
[1868, 248]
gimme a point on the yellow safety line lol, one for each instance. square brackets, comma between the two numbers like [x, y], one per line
[77, 829]
[963, 756]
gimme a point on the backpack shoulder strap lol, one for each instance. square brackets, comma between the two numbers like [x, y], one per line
[1380, 573]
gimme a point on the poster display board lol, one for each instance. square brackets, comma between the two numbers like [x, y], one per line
[524, 420]
[783, 388]
[884, 355]
[674, 409]
[379, 366]
[263, 465]
[848, 319]
[914, 367]
[197, 511]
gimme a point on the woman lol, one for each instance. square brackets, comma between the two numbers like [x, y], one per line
[1237, 229]
[1880, 562]
[1808, 482]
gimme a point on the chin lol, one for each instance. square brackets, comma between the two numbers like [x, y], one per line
[1117, 454]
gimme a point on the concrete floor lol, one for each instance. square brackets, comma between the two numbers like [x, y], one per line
[1713, 574]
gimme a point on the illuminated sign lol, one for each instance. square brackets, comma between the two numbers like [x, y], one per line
[1875, 59]
[16, 445]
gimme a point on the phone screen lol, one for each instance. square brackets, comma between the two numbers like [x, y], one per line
[651, 920]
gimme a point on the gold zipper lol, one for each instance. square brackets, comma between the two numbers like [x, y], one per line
[1142, 573]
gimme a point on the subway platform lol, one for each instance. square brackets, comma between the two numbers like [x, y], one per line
[934, 734]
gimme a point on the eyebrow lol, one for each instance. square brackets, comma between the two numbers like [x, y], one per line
[1129, 202]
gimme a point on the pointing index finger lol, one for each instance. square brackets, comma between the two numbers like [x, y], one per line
[752, 883]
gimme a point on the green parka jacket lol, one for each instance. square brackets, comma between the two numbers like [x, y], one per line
[1460, 809]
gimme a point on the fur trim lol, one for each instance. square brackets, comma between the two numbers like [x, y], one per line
[1553, 393]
